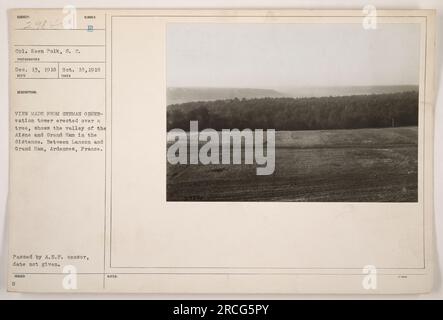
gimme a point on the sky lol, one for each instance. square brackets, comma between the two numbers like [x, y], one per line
[291, 55]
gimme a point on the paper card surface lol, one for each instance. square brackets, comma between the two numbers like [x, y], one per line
[221, 151]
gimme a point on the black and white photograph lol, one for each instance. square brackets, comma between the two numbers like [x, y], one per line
[222, 151]
[292, 112]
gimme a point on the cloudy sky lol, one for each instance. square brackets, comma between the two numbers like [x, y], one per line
[291, 55]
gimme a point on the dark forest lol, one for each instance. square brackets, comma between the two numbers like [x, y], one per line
[317, 113]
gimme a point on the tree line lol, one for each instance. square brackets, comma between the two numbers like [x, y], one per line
[316, 113]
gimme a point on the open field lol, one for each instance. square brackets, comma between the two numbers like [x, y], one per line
[352, 165]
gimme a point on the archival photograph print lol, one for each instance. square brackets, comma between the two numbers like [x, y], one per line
[292, 112]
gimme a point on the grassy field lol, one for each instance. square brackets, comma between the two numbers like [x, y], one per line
[355, 165]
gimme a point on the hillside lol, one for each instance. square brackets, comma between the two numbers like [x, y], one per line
[300, 92]
[189, 94]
